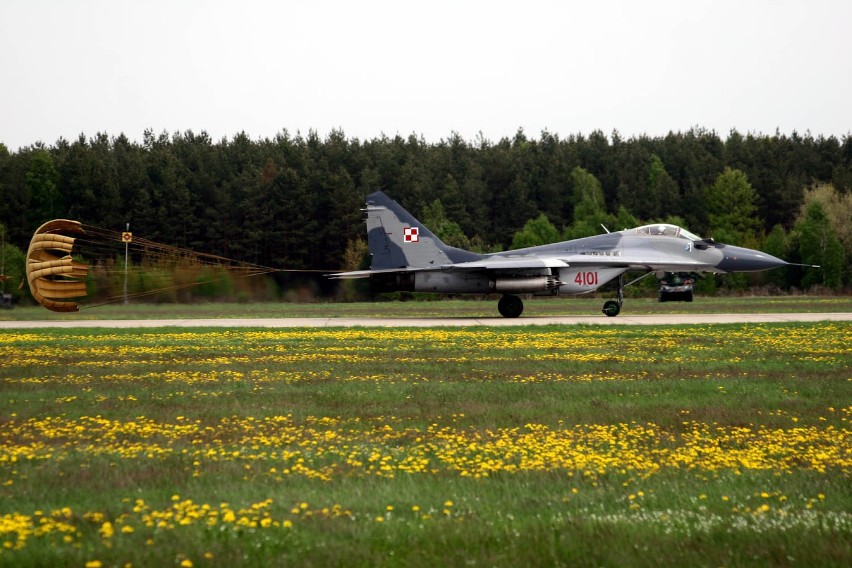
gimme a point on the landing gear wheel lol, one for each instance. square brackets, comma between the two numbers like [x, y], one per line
[611, 308]
[510, 306]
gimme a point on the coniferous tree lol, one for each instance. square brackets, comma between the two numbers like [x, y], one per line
[15, 198]
[589, 207]
[662, 197]
[777, 243]
[43, 185]
[731, 208]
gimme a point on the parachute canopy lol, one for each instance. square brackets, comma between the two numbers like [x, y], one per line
[56, 280]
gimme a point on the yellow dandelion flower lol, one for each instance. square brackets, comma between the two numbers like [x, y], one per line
[107, 530]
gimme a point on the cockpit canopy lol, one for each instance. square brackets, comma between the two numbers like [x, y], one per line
[664, 230]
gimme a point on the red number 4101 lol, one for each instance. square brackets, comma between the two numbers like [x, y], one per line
[586, 279]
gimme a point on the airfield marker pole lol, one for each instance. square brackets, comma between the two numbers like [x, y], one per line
[126, 246]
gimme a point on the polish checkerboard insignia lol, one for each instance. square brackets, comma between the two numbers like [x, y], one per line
[411, 235]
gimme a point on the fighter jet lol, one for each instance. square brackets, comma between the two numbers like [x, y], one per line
[407, 256]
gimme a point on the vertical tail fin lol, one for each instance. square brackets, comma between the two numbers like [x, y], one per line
[397, 240]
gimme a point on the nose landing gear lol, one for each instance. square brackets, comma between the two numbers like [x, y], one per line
[613, 307]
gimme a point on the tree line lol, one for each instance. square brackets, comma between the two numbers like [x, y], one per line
[294, 201]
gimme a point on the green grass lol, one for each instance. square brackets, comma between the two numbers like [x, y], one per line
[558, 445]
[436, 307]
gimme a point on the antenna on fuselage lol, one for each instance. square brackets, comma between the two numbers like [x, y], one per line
[604, 228]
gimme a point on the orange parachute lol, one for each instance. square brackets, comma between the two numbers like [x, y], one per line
[56, 280]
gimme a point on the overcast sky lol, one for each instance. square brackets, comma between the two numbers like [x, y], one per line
[430, 68]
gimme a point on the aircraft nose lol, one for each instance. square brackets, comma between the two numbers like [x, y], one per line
[739, 259]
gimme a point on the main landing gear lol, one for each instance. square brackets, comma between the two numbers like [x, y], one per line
[613, 307]
[510, 306]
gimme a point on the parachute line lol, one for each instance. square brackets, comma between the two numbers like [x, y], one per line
[65, 257]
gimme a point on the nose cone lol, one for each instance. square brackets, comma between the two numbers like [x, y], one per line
[739, 259]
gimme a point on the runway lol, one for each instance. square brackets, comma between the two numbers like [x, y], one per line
[659, 319]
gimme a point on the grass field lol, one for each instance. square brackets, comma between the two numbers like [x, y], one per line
[720, 445]
[583, 305]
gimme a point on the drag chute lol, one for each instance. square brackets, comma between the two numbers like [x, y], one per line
[71, 266]
[56, 280]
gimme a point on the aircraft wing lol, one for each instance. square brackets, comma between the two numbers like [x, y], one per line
[631, 262]
[509, 263]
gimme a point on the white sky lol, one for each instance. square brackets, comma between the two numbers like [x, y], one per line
[373, 67]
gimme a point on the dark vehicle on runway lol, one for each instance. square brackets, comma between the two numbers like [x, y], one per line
[676, 287]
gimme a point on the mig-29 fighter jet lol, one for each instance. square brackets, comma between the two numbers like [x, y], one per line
[407, 256]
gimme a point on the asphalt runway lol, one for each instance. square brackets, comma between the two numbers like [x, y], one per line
[659, 319]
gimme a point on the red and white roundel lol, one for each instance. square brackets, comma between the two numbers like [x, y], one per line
[411, 235]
